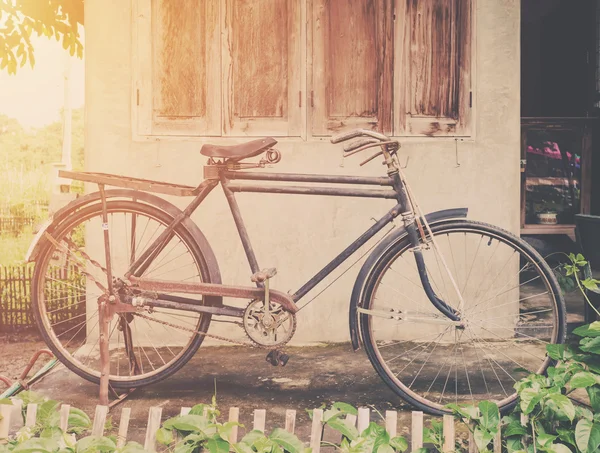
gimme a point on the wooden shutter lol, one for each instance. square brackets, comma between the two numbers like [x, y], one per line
[351, 65]
[262, 63]
[178, 67]
[432, 67]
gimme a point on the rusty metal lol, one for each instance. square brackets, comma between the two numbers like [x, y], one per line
[263, 275]
[162, 302]
[199, 332]
[107, 256]
[7, 381]
[32, 361]
[211, 289]
[297, 177]
[300, 190]
[104, 350]
[131, 183]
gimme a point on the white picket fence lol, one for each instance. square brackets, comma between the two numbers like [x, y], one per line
[11, 421]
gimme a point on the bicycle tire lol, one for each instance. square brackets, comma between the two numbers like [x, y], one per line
[411, 386]
[39, 290]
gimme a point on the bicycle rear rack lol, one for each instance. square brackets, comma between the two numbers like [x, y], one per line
[128, 182]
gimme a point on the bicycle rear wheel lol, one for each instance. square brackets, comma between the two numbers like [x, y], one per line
[144, 347]
[512, 309]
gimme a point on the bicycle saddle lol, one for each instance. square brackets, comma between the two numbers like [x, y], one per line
[239, 152]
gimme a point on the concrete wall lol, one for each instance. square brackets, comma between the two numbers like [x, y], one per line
[299, 234]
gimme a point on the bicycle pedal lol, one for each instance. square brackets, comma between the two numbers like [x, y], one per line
[277, 358]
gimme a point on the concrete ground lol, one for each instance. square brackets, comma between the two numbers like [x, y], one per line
[313, 376]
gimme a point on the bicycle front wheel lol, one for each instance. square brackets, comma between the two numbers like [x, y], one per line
[511, 309]
[70, 271]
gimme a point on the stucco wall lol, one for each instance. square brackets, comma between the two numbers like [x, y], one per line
[299, 234]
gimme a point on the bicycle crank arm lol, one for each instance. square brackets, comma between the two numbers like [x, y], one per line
[399, 316]
[212, 289]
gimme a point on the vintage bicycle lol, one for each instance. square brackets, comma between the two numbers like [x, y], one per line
[448, 310]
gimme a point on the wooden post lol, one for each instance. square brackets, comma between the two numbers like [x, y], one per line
[65, 409]
[290, 420]
[153, 424]
[416, 430]
[260, 418]
[316, 431]
[99, 420]
[391, 423]
[234, 416]
[31, 416]
[5, 413]
[363, 418]
[123, 427]
[448, 427]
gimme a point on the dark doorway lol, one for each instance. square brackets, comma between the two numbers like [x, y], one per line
[558, 58]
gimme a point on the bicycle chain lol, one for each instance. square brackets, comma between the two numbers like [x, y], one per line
[71, 244]
[205, 334]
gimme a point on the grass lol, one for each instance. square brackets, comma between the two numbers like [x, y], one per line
[13, 249]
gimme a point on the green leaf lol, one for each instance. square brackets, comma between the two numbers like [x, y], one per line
[288, 441]
[384, 448]
[345, 408]
[468, 412]
[514, 444]
[482, 438]
[132, 447]
[514, 429]
[529, 399]
[164, 436]
[6, 402]
[556, 351]
[591, 284]
[217, 445]
[594, 394]
[558, 448]
[188, 422]
[242, 447]
[225, 429]
[582, 379]
[545, 440]
[79, 419]
[47, 414]
[564, 404]
[399, 443]
[93, 444]
[37, 445]
[589, 330]
[344, 427]
[566, 435]
[583, 431]
[252, 437]
[490, 415]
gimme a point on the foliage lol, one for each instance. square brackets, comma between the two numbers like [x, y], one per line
[47, 436]
[19, 19]
[373, 438]
[26, 157]
[200, 430]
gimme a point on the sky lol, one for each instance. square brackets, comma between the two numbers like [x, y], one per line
[35, 96]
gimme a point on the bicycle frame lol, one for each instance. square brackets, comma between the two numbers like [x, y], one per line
[220, 174]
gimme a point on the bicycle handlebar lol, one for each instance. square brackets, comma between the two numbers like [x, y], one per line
[358, 133]
[358, 143]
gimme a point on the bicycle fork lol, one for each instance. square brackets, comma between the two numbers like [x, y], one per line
[414, 236]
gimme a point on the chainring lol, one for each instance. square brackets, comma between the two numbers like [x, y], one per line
[271, 330]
